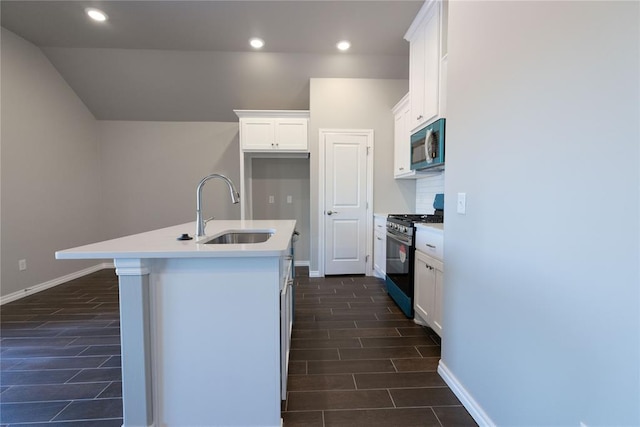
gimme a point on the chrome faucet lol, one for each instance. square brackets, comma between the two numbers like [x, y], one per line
[235, 198]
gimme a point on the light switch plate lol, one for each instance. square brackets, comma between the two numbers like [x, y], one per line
[462, 203]
[271, 199]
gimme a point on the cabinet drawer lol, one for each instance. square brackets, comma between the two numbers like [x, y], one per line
[430, 241]
[380, 223]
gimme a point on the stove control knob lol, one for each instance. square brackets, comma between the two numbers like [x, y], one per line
[404, 229]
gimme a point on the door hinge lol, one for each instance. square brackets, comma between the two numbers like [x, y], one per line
[366, 259]
[368, 150]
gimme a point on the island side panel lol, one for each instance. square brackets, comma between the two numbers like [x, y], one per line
[216, 341]
[133, 277]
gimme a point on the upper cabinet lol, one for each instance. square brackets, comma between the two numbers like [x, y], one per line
[425, 36]
[401, 139]
[273, 130]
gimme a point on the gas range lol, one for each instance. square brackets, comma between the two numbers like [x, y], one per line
[404, 223]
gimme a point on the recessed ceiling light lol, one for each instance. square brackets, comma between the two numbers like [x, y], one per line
[256, 43]
[96, 15]
[343, 45]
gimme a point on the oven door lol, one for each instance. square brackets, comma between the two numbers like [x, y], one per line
[400, 259]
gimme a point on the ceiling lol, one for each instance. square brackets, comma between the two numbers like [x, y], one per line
[203, 47]
[373, 27]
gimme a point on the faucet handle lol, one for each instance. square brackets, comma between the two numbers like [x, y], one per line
[207, 220]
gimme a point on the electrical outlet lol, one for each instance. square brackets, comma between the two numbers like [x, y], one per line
[22, 264]
[271, 200]
[289, 199]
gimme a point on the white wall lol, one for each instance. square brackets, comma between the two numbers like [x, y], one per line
[359, 104]
[50, 169]
[542, 282]
[150, 171]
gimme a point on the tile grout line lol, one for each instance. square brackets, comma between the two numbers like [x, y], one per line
[436, 415]
[61, 411]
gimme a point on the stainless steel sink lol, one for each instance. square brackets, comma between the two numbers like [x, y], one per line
[239, 237]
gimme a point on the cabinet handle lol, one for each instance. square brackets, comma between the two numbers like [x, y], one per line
[419, 117]
[378, 238]
[430, 246]
[401, 169]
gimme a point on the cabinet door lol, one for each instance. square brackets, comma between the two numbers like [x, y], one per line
[436, 324]
[416, 77]
[402, 141]
[431, 64]
[257, 134]
[424, 287]
[286, 324]
[291, 134]
[424, 63]
[380, 253]
[380, 245]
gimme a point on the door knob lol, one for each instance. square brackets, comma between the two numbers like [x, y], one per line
[331, 212]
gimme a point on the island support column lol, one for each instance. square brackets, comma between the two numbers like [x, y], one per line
[133, 277]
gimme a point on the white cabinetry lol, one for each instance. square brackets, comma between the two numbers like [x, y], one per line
[273, 130]
[402, 139]
[424, 64]
[429, 274]
[286, 321]
[380, 245]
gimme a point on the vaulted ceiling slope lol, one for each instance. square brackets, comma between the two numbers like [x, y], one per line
[190, 60]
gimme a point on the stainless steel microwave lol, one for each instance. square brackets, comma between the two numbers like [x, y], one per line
[427, 146]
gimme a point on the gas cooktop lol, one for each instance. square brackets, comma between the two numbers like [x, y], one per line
[420, 218]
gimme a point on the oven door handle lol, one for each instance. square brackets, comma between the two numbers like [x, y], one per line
[399, 238]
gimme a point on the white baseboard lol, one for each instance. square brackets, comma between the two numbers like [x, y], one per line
[314, 273]
[470, 404]
[302, 263]
[54, 282]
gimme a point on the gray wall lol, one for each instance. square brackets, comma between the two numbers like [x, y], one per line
[50, 190]
[150, 171]
[281, 178]
[359, 104]
[541, 298]
[139, 84]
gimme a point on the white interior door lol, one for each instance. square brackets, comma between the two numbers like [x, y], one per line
[345, 210]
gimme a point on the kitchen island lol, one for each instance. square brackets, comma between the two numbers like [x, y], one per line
[205, 328]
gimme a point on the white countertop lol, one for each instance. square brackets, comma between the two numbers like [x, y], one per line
[437, 226]
[163, 243]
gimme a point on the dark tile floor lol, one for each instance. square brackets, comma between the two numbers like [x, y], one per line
[355, 359]
[60, 356]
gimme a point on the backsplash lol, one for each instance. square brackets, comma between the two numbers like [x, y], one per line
[426, 190]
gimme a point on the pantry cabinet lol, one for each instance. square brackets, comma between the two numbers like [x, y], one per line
[273, 130]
